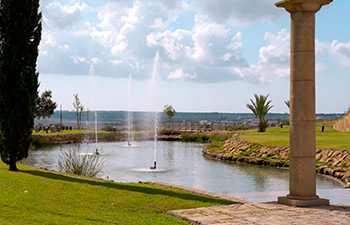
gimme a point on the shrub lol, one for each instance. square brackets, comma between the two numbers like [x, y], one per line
[108, 137]
[205, 137]
[38, 142]
[89, 165]
[215, 145]
[108, 128]
[286, 122]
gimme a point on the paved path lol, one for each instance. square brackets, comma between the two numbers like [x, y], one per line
[266, 213]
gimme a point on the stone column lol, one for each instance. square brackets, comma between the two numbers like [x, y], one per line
[302, 178]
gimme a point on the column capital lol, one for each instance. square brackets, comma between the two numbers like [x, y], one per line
[302, 5]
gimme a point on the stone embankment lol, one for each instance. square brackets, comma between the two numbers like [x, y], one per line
[335, 163]
[343, 124]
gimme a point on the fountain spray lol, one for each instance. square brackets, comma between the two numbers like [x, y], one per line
[154, 81]
[92, 75]
[129, 108]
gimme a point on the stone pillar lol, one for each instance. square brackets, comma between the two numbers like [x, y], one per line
[302, 178]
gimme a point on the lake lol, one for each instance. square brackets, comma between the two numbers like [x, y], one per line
[183, 163]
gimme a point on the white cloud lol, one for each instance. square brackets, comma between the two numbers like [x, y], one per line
[126, 35]
[240, 12]
[57, 15]
[321, 67]
[78, 59]
[340, 52]
[273, 59]
[207, 50]
[336, 50]
[180, 74]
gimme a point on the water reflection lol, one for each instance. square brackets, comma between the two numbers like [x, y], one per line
[183, 163]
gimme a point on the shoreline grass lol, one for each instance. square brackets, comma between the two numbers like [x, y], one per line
[68, 132]
[35, 196]
[279, 137]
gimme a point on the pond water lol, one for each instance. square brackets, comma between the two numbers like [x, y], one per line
[183, 163]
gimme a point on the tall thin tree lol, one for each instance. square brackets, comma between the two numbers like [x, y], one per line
[20, 35]
[78, 109]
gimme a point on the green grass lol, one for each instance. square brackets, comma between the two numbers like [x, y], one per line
[279, 137]
[34, 196]
[67, 132]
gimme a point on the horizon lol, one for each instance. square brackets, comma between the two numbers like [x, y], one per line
[64, 110]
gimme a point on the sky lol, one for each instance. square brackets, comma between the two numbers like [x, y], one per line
[196, 55]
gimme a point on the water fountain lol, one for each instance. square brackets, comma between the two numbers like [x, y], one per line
[129, 111]
[155, 97]
[92, 84]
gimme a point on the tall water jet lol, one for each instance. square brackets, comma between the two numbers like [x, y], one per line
[129, 111]
[155, 77]
[92, 80]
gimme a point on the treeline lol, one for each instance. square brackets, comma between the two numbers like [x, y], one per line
[120, 117]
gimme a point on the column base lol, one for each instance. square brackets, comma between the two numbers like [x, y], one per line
[302, 201]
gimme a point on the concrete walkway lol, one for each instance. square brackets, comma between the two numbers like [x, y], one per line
[260, 213]
[266, 213]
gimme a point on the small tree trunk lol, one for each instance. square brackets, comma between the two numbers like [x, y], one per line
[79, 127]
[77, 120]
[13, 166]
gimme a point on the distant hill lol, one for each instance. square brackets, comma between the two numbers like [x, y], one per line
[119, 118]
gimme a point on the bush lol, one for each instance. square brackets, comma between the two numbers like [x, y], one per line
[38, 142]
[108, 128]
[215, 145]
[204, 138]
[195, 137]
[89, 165]
[286, 122]
[108, 137]
[237, 127]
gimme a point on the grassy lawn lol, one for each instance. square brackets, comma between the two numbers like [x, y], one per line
[34, 196]
[67, 132]
[275, 136]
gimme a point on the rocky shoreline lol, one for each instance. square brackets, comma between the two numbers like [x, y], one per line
[331, 162]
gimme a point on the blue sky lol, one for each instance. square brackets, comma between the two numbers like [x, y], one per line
[213, 55]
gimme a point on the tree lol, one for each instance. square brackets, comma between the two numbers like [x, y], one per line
[260, 108]
[169, 111]
[78, 109]
[45, 106]
[20, 35]
[287, 103]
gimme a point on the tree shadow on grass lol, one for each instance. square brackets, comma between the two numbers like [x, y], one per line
[128, 187]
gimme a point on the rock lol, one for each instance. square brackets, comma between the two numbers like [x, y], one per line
[256, 161]
[339, 170]
[338, 175]
[318, 156]
[337, 162]
[328, 171]
[347, 185]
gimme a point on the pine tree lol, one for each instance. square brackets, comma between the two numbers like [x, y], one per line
[45, 107]
[20, 34]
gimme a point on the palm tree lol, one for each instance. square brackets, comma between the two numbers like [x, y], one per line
[260, 108]
[287, 103]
